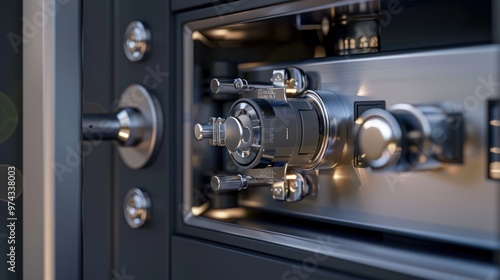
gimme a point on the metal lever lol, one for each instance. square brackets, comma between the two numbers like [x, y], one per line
[292, 79]
[221, 132]
[137, 127]
[126, 126]
[229, 183]
[292, 189]
[214, 131]
[236, 86]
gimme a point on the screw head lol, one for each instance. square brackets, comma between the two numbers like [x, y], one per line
[137, 207]
[136, 41]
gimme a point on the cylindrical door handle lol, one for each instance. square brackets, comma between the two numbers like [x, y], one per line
[137, 126]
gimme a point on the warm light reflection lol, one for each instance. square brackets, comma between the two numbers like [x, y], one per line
[495, 170]
[219, 32]
[123, 135]
[339, 175]
[319, 51]
[226, 214]
[495, 150]
[495, 167]
[197, 35]
[495, 122]
[391, 148]
[198, 210]
[250, 65]
[226, 34]
[362, 91]
[200, 37]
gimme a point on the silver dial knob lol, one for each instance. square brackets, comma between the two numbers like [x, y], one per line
[378, 138]
[409, 137]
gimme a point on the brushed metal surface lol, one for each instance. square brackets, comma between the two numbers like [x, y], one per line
[457, 203]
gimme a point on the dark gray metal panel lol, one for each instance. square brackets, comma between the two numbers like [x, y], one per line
[143, 253]
[11, 79]
[201, 260]
[67, 123]
[11, 144]
[98, 161]
[495, 11]
[222, 6]
[447, 24]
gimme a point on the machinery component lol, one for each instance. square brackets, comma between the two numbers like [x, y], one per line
[344, 30]
[228, 87]
[272, 132]
[137, 126]
[272, 135]
[229, 183]
[292, 79]
[302, 133]
[357, 29]
[137, 208]
[126, 126]
[289, 187]
[136, 41]
[409, 137]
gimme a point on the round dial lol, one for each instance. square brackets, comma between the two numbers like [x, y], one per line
[378, 138]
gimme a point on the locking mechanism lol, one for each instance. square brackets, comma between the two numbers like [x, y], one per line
[136, 127]
[276, 133]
